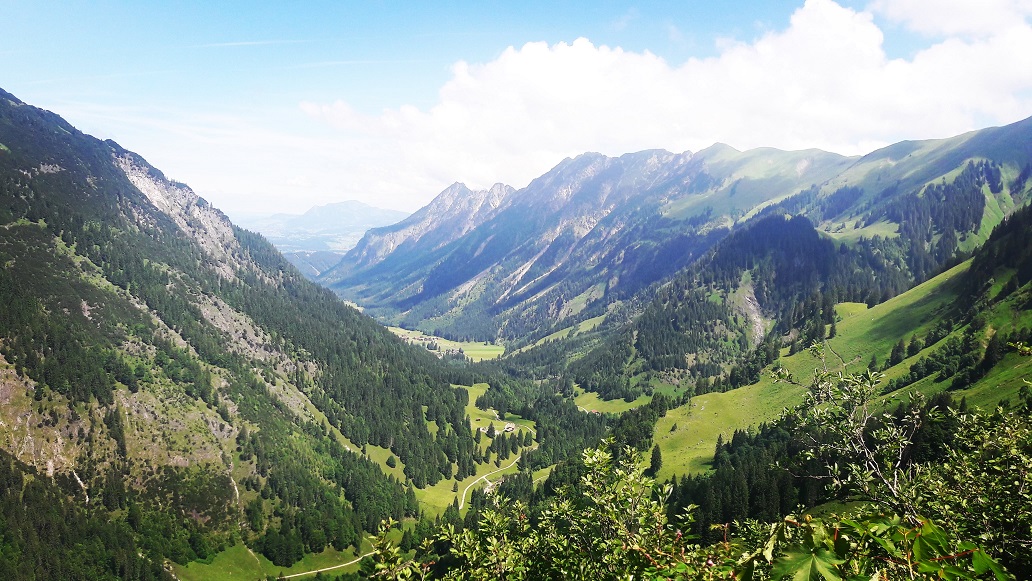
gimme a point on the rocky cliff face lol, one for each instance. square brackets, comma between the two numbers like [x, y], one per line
[198, 219]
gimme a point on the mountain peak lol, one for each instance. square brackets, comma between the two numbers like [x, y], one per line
[450, 215]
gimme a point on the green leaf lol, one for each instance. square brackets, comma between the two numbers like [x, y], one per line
[800, 564]
[984, 563]
[777, 533]
[745, 572]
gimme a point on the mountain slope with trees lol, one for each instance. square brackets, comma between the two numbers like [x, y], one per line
[774, 279]
[156, 357]
[591, 231]
[595, 231]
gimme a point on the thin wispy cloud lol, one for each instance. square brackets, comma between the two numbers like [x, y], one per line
[110, 76]
[625, 19]
[250, 43]
[350, 62]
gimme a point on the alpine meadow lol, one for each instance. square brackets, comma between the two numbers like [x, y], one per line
[751, 359]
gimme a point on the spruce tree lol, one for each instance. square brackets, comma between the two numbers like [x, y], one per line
[657, 461]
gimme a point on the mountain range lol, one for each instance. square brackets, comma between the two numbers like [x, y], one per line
[175, 391]
[596, 230]
[157, 359]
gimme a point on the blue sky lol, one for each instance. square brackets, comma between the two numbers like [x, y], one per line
[278, 106]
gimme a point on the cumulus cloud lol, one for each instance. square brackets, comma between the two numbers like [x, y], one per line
[824, 81]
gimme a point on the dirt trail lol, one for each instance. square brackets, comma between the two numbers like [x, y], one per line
[324, 569]
[465, 491]
[835, 353]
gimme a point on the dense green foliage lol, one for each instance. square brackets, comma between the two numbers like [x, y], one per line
[46, 535]
[796, 276]
[562, 430]
[114, 310]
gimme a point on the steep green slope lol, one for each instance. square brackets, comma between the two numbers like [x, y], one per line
[779, 278]
[158, 357]
[954, 330]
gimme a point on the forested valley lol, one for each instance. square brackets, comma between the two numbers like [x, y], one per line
[805, 383]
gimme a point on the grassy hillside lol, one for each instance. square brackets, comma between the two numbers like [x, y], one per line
[687, 435]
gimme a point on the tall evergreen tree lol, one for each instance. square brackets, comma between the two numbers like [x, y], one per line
[656, 462]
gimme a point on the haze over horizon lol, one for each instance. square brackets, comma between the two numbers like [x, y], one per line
[269, 108]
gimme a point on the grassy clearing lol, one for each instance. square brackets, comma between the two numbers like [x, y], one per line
[237, 563]
[580, 302]
[542, 473]
[582, 327]
[474, 350]
[434, 499]
[590, 401]
[477, 416]
[687, 435]
[851, 235]
[850, 310]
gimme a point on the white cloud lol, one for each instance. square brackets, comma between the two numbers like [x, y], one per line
[625, 19]
[824, 82]
[955, 17]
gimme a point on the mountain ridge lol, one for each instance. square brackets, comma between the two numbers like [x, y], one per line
[454, 211]
[594, 230]
[156, 357]
[613, 221]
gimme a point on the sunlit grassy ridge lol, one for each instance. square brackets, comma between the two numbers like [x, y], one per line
[573, 330]
[687, 435]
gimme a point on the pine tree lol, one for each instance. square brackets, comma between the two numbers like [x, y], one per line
[898, 353]
[993, 352]
[657, 461]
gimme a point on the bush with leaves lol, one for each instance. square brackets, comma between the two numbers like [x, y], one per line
[867, 454]
[878, 546]
[866, 451]
[981, 490]
[613, 526]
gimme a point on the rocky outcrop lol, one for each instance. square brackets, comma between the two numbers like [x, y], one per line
[195, 216]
